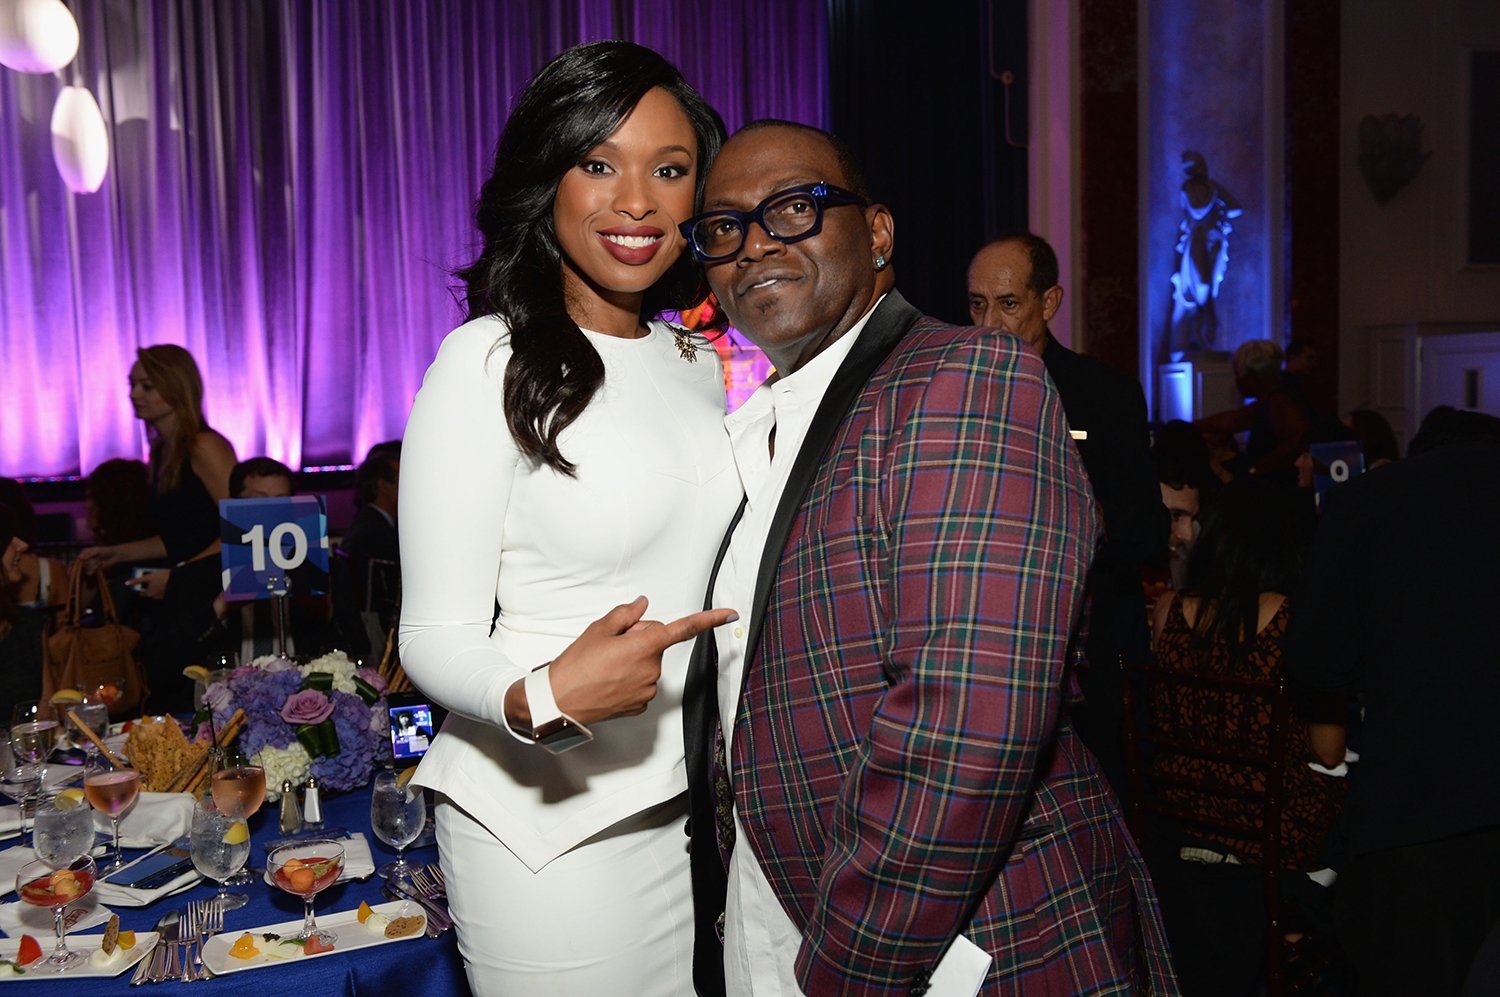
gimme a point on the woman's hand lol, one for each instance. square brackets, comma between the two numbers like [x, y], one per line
[152, 585]
[99, 558]
[611, 670]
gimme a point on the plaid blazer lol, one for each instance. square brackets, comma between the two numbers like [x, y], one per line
[900, 763]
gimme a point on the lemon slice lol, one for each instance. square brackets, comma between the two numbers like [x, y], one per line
[63, 697]
[68, 799]
[404, 776]
[196, 672]
[238, 832]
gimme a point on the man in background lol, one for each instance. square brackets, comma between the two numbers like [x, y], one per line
[1013, 286]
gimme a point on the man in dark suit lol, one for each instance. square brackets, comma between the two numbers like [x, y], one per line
[1013, 285]
[901, 806]
[1398, 605]
[372, 542]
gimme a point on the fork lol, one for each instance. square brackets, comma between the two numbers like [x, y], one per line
[428, 886]
[213, 923]
[436, 872]
[191, 932]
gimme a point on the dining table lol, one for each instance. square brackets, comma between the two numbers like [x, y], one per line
[422, 965]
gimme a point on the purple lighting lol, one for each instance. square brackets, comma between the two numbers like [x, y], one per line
[290, 186]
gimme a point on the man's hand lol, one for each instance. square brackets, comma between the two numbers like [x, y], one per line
[611, 670]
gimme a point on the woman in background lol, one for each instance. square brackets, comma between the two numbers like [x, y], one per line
[567, 453]
[190, 465]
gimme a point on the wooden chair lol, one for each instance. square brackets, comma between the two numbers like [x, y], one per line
[1148, 687]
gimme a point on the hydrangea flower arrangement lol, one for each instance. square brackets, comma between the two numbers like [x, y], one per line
[325, 717]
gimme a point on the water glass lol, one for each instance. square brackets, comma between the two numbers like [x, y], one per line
[64, 831]
[398, 813]
[220, 848]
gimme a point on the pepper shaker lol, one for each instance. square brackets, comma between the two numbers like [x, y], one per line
[312, 806]
[291, 812]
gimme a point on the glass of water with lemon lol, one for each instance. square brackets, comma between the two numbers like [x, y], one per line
[220, 847]
[64, 829]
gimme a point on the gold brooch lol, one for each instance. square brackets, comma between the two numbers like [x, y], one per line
[686, 348]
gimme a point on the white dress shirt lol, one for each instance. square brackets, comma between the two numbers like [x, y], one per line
[758, 934]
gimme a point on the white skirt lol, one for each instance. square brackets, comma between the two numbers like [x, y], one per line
[612, 916]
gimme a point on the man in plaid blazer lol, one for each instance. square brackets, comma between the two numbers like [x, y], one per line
[901, 807]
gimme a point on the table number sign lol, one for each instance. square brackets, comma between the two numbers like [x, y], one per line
[274, 545]
[1333, 464]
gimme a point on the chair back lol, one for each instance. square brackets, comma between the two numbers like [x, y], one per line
[1195, 700]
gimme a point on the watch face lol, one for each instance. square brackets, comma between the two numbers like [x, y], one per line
[561, 733]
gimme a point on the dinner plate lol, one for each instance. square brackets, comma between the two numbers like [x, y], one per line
[352, 936]
[145, 941]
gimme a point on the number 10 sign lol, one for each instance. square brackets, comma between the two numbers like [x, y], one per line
[274, 545]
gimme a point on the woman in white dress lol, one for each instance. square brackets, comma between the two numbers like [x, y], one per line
[567, 454]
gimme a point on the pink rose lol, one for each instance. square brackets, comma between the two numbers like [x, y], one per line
[376, 680]
[306, 707]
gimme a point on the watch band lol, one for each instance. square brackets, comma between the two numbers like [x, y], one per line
[550, 726]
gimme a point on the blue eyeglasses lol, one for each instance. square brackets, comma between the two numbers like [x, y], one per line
[787, 216]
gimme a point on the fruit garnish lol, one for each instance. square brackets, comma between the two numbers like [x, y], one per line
[64, 697]
[363, 912]
[196, 672]
[244, 947]
[29, 952]
[238, 832]
[68, 798]
[111, 934]
[291, 864]
[127, 939]
[314, 945]
[301, 879]
[404, 776]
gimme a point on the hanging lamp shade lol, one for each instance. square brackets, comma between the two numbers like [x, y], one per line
[80, 143]
[37, 36]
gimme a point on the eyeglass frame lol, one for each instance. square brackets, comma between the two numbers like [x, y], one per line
[824, 196]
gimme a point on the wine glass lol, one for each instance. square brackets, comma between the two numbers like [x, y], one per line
[31, 740]
[220, 846]
[95, 716]
[64, 831]
[239, 788]
[398, 812]
[108, 692]
[112, 791]
[43, 886]
[306, 869]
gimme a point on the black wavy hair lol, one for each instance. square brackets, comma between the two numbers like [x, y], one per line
[1252, 542]
[571, 105]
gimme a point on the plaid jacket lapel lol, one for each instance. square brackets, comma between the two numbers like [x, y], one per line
[891, 320]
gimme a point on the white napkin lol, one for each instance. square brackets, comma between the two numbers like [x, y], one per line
[125, 896]
[358, 862]
[11, 861]
[156, 819]
[17, 918]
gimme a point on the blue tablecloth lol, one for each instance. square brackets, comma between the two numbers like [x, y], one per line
[425, 966]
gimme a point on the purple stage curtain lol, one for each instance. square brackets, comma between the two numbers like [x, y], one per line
[290, 184]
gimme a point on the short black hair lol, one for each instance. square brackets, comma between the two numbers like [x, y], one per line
[854, 174]
[1044, 269]
[256, 467]
[1181, 457]
[381, 467]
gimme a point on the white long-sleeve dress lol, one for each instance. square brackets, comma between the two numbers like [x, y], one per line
[566, 868]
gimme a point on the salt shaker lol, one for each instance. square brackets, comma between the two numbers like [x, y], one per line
[291, 813]
[312, 806]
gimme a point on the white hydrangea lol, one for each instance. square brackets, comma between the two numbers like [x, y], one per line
[281, 764]
[337, 664]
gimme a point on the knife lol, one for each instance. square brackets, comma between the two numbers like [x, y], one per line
[334, 833]
[145, 970]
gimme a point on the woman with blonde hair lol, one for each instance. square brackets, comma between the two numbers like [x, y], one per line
[190, 462]
[189, 474]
